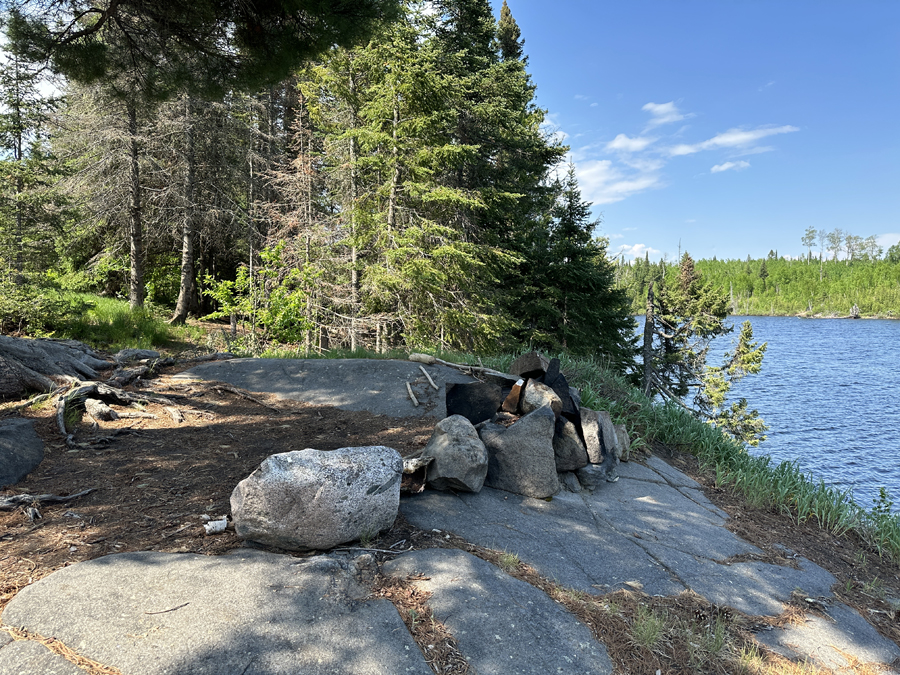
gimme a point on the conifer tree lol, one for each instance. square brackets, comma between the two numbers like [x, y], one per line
[682, 320]
[27, 214]
[573, 303]
[509, 36]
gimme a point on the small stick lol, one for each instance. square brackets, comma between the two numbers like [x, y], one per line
[169, 610]
[428, 377]
[243, 394]
[412, 396]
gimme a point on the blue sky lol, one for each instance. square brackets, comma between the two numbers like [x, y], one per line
[728, 126]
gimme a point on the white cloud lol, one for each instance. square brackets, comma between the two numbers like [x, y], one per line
[581, 97]
[664, 113]
[623, 143]
[637, 250]
[594, 105]
[737, 166]
[616, 236]
[733, 138]
[603, 183]
[887, 240]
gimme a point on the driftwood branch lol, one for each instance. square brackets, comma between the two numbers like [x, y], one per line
[9, 503]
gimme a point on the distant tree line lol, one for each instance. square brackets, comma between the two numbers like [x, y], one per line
[861, 276]
[398, 191]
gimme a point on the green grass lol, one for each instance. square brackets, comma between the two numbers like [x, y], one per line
[111, 324]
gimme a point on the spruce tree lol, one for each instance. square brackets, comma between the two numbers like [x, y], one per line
[682, 320]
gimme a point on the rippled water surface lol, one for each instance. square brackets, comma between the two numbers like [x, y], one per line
[830, 392]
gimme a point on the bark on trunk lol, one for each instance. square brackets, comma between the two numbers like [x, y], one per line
[136, 234]
[649, 320]
[354, 272]
[187, 292]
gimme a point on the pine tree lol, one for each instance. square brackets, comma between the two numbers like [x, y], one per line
[574, 304]
[682, 320]
[28, 210]
[509, 36]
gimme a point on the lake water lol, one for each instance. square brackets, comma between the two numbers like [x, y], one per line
[829, 389]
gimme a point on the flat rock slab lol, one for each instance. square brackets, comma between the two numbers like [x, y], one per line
[375, 385]
[503, 625]
[827, 642]
[247, 612]
[26, 657]
[651, 530]
[21, 450]
[560, 538]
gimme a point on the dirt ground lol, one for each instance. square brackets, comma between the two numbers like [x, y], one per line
[155, 481]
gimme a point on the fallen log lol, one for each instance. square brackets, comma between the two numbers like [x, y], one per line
[10, 503]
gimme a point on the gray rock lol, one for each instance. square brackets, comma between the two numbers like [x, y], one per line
[552, 372]
[135, 355]
[569, 481]
[623, 443]
[247, 612]
[590, 425]
[538, 395]
[460, 458]
[21, 450]
[376, 385]
[310, 499]
[561, 538]
[608, 437]
[610, 442]
[825, 642]
[567, 447]
[672, 475]
[576, 397]
[26, 657]
[531, 364]
[593, 476]
[503, 625]
[521, 459]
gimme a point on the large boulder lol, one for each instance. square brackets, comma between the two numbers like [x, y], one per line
[537, 395]
[21, 450]
[314, 500]
[610, 442]
[532, 364]
[521, 458]
[590, 426]
[623, 445]
[460, 458]
[567, 447]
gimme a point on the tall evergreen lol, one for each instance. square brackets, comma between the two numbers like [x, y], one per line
[29, 217]
[571, 302]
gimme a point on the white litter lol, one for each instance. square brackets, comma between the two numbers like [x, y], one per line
[216, 526]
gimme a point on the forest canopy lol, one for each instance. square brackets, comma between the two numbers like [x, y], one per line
[396, 188]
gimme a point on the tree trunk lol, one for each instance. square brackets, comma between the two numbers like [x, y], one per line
[136, 235]
[354, 253]
[187, 292]
[649, 320]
